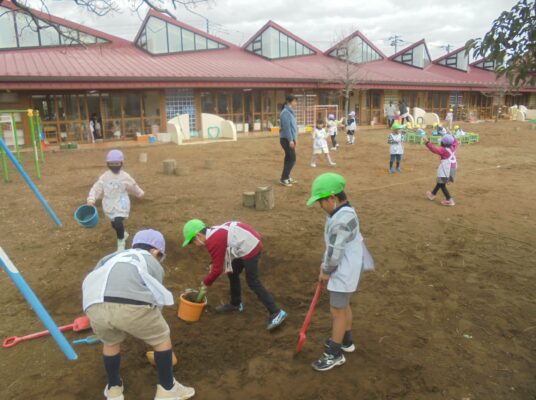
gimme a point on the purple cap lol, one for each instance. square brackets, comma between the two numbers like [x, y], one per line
[447, 139]
[115, 156]
[152, 238]
[331, 116]
[352, 114]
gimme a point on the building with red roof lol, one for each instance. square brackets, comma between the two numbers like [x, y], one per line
[69, 72]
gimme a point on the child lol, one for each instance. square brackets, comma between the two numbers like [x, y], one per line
[344, 259]
[458, 132]
[449, 118]
[332, 130]
[351, 127]
[320, 144]
[233, 247]
[113, 186]
[447, 167]
[395, 139]
[123, 295]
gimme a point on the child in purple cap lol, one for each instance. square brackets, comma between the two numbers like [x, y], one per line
[447, 167]
[113, 186]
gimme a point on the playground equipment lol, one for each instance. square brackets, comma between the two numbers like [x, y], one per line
[21, 170]
[302, 337]
[42, 313]
[34, 121]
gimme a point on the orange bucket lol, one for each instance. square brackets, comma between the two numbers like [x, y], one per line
[188, 310]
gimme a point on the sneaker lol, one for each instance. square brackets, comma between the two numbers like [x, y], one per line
[285, 182]
[333, 149]
[276, 320]
[114, 393]
[398, 170]
[228, 308]
[292, 180]
[177, 392]
[347, 348]
[391, 170]
[121, 243]
[448, 202]
[332, 164]
[313, 165]
[430, 196]
[328, 361]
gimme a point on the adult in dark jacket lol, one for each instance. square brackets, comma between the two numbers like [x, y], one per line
[288, 135]
[404, 111]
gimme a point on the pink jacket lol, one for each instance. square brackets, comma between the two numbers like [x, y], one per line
[442, 151]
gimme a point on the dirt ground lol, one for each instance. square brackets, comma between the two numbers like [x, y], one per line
[450, 312]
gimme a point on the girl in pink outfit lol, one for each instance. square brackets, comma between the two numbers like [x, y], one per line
[113, 186]
[447, 167]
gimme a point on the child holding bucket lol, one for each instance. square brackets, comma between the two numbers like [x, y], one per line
[447, 167]
[113, 186]
[234, 247]
[344, 259]
[123, 295]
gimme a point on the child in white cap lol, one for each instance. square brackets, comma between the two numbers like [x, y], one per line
[320, 144]
[113, 187]
[332, 130]
[351, 127]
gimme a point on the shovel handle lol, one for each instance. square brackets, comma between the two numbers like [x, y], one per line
[13, 340]
[312, 307]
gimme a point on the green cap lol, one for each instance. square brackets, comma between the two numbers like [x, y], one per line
[396, 126]
[325, 185]
[192, 228]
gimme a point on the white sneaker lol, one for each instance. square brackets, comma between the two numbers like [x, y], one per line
[121, 244]
[177, 392]
[332, 164]
[313, 165]
[333, 149]
[114, 393]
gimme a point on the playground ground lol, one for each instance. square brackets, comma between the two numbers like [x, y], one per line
[450, 312]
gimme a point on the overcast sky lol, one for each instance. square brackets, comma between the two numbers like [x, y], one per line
[321, 23]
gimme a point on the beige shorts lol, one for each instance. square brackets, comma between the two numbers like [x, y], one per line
[323, 150]
[112, 321]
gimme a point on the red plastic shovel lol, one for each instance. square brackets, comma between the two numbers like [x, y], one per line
[302, 337]
[79, 324]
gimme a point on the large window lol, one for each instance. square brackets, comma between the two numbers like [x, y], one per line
[20, 30]
[272, 43]
[161, 37]
[355, 50]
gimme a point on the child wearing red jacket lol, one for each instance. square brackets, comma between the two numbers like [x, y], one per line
[447, 167]
[233, 247]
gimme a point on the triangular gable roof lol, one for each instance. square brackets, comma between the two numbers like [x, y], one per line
[398, 57]
[68, 24]
[457, 59]
[277, 27]
[363, 38]
[481, 63]
[172, 21]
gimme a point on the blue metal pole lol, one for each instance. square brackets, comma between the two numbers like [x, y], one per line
[30, 183]
[31, 298]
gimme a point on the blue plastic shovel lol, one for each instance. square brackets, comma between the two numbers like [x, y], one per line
[89, 340]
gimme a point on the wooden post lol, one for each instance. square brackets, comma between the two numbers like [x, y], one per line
[182, 170]
[169, 167]
[264, 198]
[142, 157]
[248, 199]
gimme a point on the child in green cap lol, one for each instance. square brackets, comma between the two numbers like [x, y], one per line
[344, 259]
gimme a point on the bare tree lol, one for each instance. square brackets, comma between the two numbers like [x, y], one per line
[96, 7]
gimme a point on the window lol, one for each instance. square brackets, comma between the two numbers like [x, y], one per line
[8, 38]
[356, 50]
[272, 44]
[161, 37]
[207, 102]
[26, 31]
[151, 104]
[131, 105]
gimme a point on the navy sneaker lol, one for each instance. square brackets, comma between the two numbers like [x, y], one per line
[276, 319]
[328, 361]
[229, 308]
[347, 348]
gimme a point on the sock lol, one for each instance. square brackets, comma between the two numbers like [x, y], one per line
[334, 348]
[390, 165]
[347, 339]
[398, 164]
[164, 365]
[112, 365]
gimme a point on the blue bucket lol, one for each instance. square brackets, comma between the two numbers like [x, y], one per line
[87, 216]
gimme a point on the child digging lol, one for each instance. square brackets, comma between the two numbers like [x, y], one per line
[396, 149]
[447, 167]
[123, 295]
[344, 259]
[320, 144]
[113, 186]
[233, 247]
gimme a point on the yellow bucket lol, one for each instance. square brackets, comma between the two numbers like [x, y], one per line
[188, 310]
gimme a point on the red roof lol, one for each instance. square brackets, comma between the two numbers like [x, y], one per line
[121, 64]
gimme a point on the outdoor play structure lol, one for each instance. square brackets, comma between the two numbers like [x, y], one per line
[10, 137]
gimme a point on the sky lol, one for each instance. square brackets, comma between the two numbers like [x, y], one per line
[321, 23]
